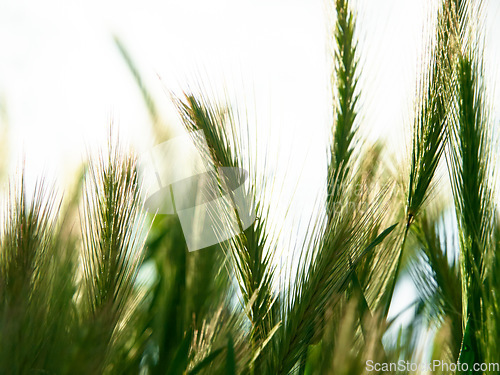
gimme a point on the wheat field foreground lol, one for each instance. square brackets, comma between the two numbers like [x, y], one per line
[173, 265]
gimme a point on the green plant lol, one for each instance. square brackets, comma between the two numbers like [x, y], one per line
[129, 298]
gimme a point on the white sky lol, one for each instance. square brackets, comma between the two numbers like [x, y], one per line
[62, 78]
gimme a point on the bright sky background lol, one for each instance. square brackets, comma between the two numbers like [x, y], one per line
[62, 79]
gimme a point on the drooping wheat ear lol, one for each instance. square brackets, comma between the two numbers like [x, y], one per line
[250, 251]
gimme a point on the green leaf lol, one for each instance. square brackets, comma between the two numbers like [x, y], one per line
[180, 362]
